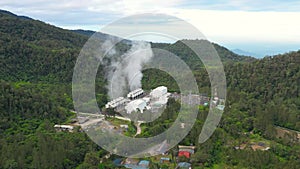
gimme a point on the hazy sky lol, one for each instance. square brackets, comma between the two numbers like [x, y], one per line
[263, 27]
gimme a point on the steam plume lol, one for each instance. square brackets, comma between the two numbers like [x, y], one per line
[125, 71]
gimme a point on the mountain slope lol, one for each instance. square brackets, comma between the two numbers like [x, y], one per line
[225, 54]
[262, 94]
[268, 89]
[244, 53]
[31, 50]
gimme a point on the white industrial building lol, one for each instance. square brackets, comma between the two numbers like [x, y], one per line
[146, 99]
[136, 101]
[64, 127]
[159, 97]
[135, 94]
[136, 105]
[158, 92]
[116, 103]
[161, 100]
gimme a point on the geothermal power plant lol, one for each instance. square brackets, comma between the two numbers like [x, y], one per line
[138, 100]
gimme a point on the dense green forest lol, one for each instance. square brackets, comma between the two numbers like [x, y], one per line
[36, 66]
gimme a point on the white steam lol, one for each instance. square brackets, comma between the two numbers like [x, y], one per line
[125, 71]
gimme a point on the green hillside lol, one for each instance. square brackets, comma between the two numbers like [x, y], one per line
[36, 66]
[34, 51]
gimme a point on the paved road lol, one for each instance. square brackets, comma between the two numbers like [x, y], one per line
[138, 129]
[91, 122]
[95, 119]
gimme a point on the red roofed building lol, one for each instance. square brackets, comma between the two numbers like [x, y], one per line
[184, 153]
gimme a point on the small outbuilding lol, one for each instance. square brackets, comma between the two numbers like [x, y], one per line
[184, 165]
[64, 128]
[144, 163]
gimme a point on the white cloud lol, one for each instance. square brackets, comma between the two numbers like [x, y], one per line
[229, 23]
[134, 6]
[103, 6]
[244, 26]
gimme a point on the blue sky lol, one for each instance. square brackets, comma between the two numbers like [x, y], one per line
[263, 27]
[247, 5]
